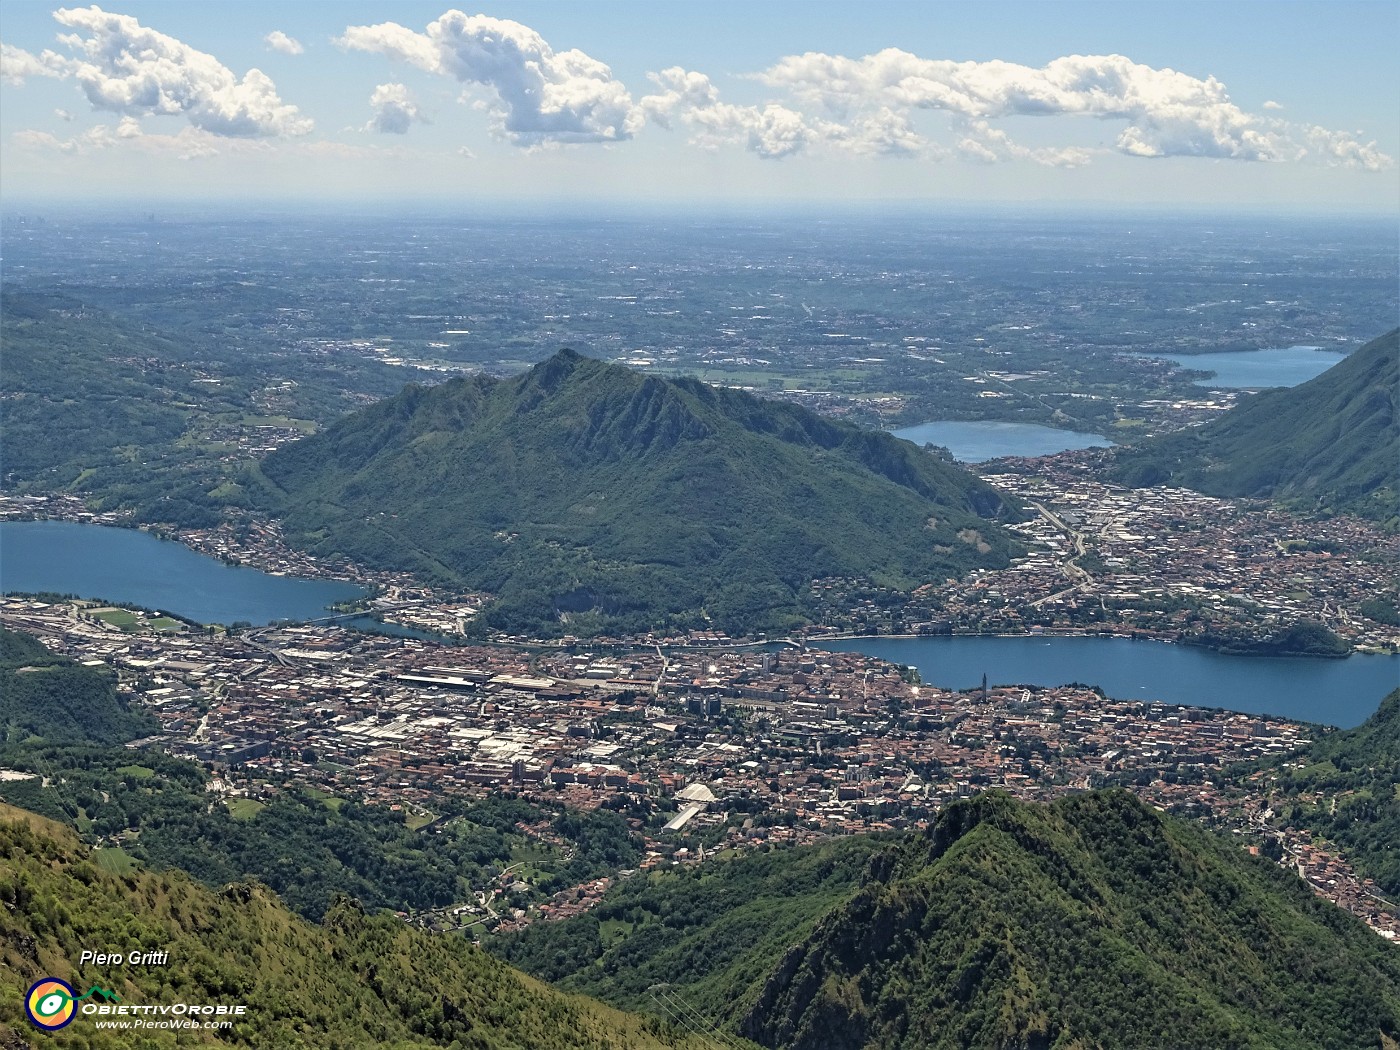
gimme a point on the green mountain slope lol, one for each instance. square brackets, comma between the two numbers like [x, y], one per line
[356, 981]
[1332, 443]
[308, 848]
[48, 696]
[137, 418]
[80, 386]
[585, 491]
[1090, 922]
[717, 931]
[1345, 787]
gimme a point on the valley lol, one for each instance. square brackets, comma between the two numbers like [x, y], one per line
[659, 669]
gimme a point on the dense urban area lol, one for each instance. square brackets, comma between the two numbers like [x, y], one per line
[711, 745]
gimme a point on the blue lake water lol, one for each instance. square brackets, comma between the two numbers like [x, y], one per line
[976, 441]
[1336, 692]
[136, 568]
[1254, 369]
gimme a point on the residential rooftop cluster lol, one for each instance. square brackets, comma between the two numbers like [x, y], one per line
[707, 748]
[1160, 562]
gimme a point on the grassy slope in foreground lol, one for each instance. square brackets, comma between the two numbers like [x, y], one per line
[356, 981]
[587, 490]
[1332, 443]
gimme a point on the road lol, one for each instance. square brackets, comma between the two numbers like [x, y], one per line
[1070, 567]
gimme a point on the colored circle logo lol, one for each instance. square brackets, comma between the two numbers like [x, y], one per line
[49, 1004]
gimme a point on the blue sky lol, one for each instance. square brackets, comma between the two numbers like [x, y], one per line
[1274, 105]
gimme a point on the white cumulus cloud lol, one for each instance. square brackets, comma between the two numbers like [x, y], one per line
[1167, 113]
[17, 65]
[541, 96]
[1337, 148]
[124, 67]
[886, 133]
[280, 41]
[772, 131]
[682, 90]
[394, 110]
[982, 142]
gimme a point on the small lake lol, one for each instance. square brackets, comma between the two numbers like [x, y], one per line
[1255, 369]
[976, 441]
[1335, 692]
[136, 568]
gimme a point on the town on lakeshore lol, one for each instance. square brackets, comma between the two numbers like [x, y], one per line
[719, 745]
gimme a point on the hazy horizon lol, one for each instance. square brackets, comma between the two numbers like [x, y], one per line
[1184, 106]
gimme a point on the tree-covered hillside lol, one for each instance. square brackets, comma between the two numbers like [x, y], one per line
[585, 494]
[1330, 444]
[1345, 789]
[356, 981]
[717, 930]
[1090, 922]
[305, 846]
[47, 696]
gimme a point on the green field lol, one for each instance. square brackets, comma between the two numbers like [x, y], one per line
[533, 862]
[115, 860]
[122, 619]
[243, 808]
[330, 801]
[610, 930]
[139, 772]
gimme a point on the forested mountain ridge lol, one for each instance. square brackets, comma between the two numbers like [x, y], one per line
[1330, 444]
[585, 492]
[717, 930]
[1093, 921]
[357, 981]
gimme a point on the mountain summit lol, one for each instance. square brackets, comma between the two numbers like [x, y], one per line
[587, 494]
[1093, 921]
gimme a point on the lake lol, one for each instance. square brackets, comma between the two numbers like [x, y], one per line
[1336, 692]
[976, 441]
[136, 568]
[124, 565]
[1255, 369]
